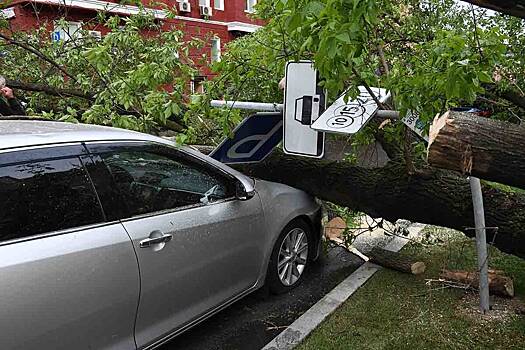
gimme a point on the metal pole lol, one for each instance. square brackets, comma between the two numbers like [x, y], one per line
[278, 107]
[255, 106]
[481, 243]
[387, 114]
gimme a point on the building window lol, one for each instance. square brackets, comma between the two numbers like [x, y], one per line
[250, 5]
[218, 4]
[215, 50]
[204, 3]
[67, 31]
[197, 85]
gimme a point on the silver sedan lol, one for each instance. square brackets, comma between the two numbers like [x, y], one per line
[112, 239]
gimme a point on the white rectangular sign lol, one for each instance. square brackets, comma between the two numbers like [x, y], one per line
[413, 122]
[304, 100]
[350, 117]
[8, 13]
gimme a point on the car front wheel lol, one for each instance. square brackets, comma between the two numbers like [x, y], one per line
[290, 257]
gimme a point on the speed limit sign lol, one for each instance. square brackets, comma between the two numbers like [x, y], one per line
[349, 117]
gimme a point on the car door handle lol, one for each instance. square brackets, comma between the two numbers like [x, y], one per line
[148, 242]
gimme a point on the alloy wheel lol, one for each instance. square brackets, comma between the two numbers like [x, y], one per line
[293, 256]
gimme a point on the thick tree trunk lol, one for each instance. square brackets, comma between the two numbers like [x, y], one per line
[509, 7]
[498, 283]
[396, 261]
[428, 196]
[488, 149]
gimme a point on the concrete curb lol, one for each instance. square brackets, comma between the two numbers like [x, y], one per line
[306, 323]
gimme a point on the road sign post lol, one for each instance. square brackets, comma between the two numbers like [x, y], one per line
[304, 100]
[481, 243]
[253, 106]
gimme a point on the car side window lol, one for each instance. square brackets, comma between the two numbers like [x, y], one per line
[45, 196]
[151, 182]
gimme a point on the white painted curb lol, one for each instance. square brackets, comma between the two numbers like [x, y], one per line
[306, 323]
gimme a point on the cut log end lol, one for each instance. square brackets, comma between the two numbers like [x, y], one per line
[472, 145]
[418, 268]
[335, 228]
[437, 124]
[507, 286]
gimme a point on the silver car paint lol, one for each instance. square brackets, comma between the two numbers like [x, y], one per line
[109, 293]
[216, 252]
[282, 204]
[76, 290]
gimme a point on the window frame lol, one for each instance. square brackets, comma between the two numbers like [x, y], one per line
[50, 152]
[250, 6]
[97, 148]
[69, 36]
[221, 5]
[216, 50]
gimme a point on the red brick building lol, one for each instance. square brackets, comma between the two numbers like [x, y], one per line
[216, 21]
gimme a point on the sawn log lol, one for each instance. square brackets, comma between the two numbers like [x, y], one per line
[396, 261]
[489, 149]
[498, 283]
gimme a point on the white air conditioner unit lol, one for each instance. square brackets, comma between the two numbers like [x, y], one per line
[206, 11]
[185, 6]
[95, 34]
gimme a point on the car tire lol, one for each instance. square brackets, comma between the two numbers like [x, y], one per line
[293, 262]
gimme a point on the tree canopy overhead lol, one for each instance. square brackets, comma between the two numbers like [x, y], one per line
[433, 56]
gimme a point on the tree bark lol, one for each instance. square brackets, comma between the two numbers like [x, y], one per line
[429, 195]
[486, 148]
[498, 284]
[396, 261]
[510, 7]
[15, 84]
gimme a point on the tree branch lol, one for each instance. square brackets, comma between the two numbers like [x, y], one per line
[37, 53]
[49, 90]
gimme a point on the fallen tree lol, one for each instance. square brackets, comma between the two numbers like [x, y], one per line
[427, 195]
[488, 149]
[509, 7]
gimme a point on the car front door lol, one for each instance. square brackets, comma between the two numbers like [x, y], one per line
[197, 245]
[69, 277]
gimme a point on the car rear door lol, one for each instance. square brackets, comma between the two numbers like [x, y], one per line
[195, 252]
[69, 276]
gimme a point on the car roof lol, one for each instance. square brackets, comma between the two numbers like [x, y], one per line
[23, 133]
[26, 133]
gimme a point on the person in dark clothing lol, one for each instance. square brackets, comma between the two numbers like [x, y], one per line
[9, 105]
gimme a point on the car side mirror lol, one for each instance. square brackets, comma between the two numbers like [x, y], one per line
[241, 193]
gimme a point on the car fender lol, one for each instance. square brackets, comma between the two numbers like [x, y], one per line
[281, 204]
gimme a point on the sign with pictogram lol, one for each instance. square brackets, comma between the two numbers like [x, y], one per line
[252, 140]
[304, 100]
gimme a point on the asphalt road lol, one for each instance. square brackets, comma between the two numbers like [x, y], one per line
[253, 321]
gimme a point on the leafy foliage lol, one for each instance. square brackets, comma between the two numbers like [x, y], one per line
[135, 77]
[432, 55]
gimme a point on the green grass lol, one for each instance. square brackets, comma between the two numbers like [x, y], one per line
[400, 311]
